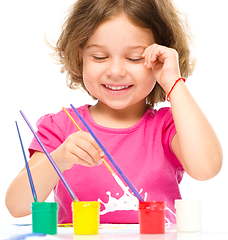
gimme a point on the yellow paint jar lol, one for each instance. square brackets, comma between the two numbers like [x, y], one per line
[86, 217]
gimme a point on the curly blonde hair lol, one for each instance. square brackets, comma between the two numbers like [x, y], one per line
[168, 28]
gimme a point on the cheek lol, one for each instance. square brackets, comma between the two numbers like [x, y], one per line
[91, 71]
[87, 77]
[88, 82]
[151, 82]
[147, 78]
[148, 87]
[90, 77]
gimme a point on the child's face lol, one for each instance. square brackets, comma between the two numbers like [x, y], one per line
[113, 67]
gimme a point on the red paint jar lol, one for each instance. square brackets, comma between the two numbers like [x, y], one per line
[152, 217]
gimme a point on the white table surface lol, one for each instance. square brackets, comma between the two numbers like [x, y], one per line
[112, 231]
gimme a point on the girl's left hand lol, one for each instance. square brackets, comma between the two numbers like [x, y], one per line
[164, 63]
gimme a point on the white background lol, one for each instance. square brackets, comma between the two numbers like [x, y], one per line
[30, 81]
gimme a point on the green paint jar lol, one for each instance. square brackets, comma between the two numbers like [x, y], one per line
[44, 217]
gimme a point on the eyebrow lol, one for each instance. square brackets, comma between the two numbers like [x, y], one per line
[129, 47]
[95, 45]
[135, 47]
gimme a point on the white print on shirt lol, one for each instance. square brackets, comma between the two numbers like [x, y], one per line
[125, 203]
[168, 221]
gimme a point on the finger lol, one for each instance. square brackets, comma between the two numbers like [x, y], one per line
[84, 147]
[83, 158]
[90, 138]
[145, 52]
[160, 53]
[158, 56]
[154, 54]
[86, 151]
[148, 49]
[150, 55]
[84, 163]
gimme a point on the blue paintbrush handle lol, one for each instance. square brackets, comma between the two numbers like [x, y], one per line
[109, 156]
[51, 160]
[27, 166]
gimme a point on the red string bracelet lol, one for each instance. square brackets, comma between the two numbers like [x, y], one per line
[179, 79]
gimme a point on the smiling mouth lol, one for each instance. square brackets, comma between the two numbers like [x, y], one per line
[117, 88]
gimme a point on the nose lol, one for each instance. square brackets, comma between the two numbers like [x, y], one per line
[116, 68]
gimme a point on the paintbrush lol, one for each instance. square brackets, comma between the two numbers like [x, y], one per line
[118, 180]
[27, 166]
[51, 160]
[109, 156]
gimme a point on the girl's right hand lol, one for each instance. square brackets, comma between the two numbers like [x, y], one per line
[78, 148]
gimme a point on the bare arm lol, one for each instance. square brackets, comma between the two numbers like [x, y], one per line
[19, 195]
[195, 144]
[79, 148]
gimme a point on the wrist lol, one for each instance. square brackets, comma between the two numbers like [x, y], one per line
[56, 156]
[173, 86]
[168, 85]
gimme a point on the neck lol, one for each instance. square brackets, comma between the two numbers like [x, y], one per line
[117, 118]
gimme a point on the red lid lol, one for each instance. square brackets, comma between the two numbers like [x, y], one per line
[152, 205]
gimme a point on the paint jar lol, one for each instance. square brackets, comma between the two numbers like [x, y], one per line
[44, 217]
[152, 217]
[188, 215]
[86, 217]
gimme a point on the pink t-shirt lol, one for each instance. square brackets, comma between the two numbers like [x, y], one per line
[143, 152]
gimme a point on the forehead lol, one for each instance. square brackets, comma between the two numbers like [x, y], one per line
[120, 32]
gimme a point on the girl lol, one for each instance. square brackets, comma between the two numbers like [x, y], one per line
[128, 55]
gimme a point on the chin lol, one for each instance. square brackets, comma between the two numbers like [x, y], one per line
[119, 106]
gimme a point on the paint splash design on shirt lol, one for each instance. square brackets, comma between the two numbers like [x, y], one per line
[125, 203]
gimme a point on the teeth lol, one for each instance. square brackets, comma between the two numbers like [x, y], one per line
[116, 88]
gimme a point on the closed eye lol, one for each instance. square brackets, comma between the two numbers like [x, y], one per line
[135, 60]
[99, 59]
